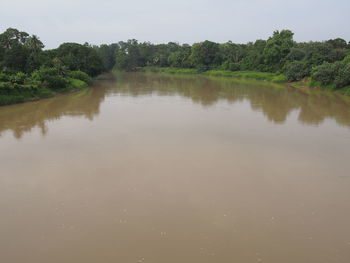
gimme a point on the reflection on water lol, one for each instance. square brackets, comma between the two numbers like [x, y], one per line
[21, 118]
[149, 168]
[274, 101]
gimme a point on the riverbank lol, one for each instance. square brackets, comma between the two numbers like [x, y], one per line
[262, 76]
[24, 93]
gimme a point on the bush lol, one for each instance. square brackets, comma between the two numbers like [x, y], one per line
[10, 86]
[30, 86]
[51, 78]
[44, 93]
[296, 70]
[335, 75]
[326, 73]
[18, 78]
[44, 73]
[77, 84]
[6, 86]
[56, 82]
[346, 60]
[4, 77]
[80, 75]
[343, 77]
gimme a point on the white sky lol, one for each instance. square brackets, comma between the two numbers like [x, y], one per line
[184, 21]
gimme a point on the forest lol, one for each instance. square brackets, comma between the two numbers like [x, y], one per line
[28, 71]
[323, 64]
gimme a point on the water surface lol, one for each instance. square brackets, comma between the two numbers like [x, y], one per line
[164, 168]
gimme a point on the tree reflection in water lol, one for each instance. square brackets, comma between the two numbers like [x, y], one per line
[274, 101]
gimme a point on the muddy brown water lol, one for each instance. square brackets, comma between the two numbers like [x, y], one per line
[168, 169]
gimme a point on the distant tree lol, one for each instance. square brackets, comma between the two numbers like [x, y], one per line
[107, 53]
[316, 52]
[176, 59]
[180, 58]
[337, 43]
[128, 57]
[296, 54]
[337, 54]
[35, 55]
[232, 52]
[14, 53]
[205, 55]
[80, 57]
[254, 58]
[296, 70]
[277, 48]
[122, 60]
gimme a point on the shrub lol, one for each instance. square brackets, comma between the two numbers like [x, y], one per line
[44, 72]
[4, 77]
[44, 93]
[30, 86]
[279, 78]
[346, 60]
[77, 83]
[18, 78]
[296, 70]
[56, 82]
[6, 86]
[326, 73]
[51, 78]
[343, 77]
[80, 75]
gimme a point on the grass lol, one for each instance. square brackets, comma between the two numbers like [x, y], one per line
[170, 70]
[22, 95]
[77, 84]
[17, 96]
[345, 90]
[264, 76]
[308, 83]
[261, 76]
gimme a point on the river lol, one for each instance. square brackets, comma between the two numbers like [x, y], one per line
[170, 168]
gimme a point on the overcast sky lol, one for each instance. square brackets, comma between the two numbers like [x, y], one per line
[184, 21]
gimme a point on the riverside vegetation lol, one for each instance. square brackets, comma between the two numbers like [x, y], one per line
[279, 58]
[29, 72]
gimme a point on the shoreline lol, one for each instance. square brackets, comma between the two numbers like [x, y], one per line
[252, 75]
[17, 97]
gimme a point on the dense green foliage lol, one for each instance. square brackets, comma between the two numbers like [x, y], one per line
[107, 53]
[78, 57]
[325, 62]
[19, 51]
[205, 55]
[333, 75]
[266, 76]
[29, 72]
[296, 70]
[80, 75]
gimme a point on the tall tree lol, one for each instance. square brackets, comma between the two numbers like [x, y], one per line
[277, 48]
[206, 55]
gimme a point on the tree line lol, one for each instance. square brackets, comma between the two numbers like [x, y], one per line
[28, 71]
[326, 63]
